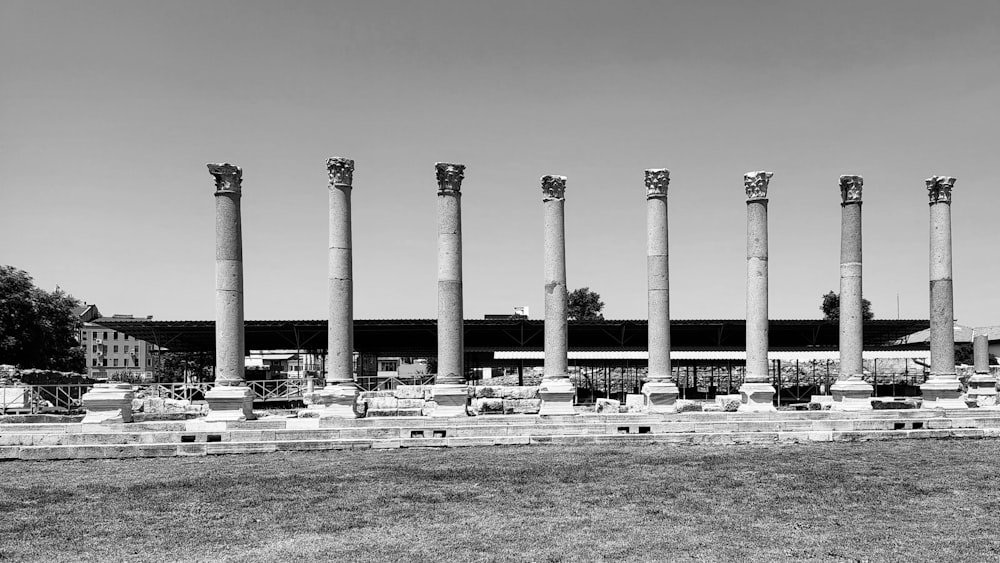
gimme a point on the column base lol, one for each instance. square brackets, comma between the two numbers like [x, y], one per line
[942, 392]
[757, 397]
[557, 397]
[333, 401]
[108, 403]
[451, 399]
[229, 403]
[852, 394]
[982, 391]
[661, 396]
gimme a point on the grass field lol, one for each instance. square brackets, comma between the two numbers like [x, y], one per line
[912, 500]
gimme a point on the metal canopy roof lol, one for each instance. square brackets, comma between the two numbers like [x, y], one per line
[418, 337]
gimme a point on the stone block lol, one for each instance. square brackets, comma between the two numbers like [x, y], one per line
[380, 412]
[382, 403]
[490, 406]
[411, 403]
[605, 406]
[527, 406]
[410, 392]
[487, 392]
[516, 392]
[409, 411]
[429, 407]
[373, 394]
[683, 405]
[711, 407]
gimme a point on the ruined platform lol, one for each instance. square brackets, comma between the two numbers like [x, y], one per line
[271, 434]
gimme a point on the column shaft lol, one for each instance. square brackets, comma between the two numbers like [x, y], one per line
[450, 329]
[851, 320]
[556, 304]
[757, 321]
[229, 331]
[658, 288]
[942, 309]
[981, 352]
[340, 329]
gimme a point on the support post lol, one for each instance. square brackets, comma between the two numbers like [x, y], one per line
[230, 398]
[336, 399]
[660, 389]
[556, 389]
[757, 391]
[450, 390]
[851, 392]
[942, 388]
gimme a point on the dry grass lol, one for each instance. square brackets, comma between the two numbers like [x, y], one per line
[904, 500]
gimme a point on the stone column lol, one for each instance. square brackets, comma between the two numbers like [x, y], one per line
[556, 390]
[758, 394]
[230, 398]
[942, 388]
[982, 385]
[660, 389]
[851, 392]
[450, 391]
[337, 398]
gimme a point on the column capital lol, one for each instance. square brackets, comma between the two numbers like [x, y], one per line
[553, 187]
[939, 188]
[340, 170]
[228, 178]
[756, 184]
[657, 182]
[449, 177]
[850, 188]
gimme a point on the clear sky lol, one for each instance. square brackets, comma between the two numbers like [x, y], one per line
[110, 110]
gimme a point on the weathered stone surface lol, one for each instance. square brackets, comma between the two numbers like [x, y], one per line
[488, 392]
[409, 412]
[409, 392]
[410, 403]
[878, 404]
[515, 392]
[490, 406]
[527, 406]
[371, 394]
[605, 406]
[380, 412]
[382, 403]
[683, 405]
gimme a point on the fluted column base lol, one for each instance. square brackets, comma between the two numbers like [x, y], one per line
[943, 392]
[451, 399]
[757, 397]
[557, 397]
[333, 401]
[982, 391]
[851, 395]
[661, 396]
[108, 403]
[229, 403]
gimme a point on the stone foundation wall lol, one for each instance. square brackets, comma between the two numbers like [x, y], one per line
[418, 400]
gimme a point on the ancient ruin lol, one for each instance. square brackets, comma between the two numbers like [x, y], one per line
[757, 391]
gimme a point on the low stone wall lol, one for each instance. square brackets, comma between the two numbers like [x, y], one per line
[418, 400]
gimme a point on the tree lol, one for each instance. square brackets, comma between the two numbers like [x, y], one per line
[831, 308]
[182, 366]
[38, 329]
[585, 305]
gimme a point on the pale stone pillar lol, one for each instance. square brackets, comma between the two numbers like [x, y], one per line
[230, 398]
[450, 391]
[851, 392]
[337, 398]
[982, 385]
[556, 389]
[660, 388]
[942, 388]
[108, 403]
[757, 391]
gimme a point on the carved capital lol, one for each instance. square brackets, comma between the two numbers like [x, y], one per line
[850, 188]
[553, 187]
[449, 177]
[228, 178]
[756, 184]
[340, 170]
[657, 182]
[939, 188]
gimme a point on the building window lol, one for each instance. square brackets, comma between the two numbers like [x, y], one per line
[116, 362]
[115, 335]
[105, 335]
[116, 350]
[149, 362]
[94, 362]
[83, 335]
[135, 361]
[94, 349]
[94, 334]
[104, 362]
